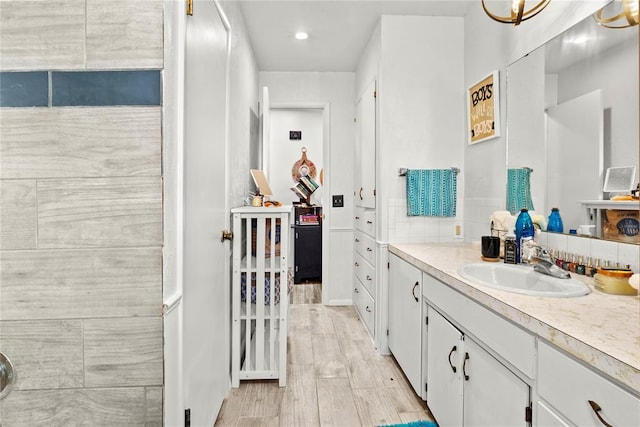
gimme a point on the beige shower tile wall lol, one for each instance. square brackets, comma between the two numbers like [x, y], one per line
[66, 142]
[81, 222]
[81, 34]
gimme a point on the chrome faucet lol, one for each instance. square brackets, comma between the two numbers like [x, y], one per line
[546, 266]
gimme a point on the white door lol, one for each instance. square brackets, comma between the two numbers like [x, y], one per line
[493, 395]
[444, 383]
[206, 213]
[575, 148]
[366, 132]
[405, 314]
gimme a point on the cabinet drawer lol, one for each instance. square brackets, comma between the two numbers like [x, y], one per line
[365, 246]
[366, 273]
[569, 385]
[368, 225]
[508, 340]
[365, 305]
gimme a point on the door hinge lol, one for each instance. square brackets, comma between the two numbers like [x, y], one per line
[426, 320]
[375, 93]
[426, 387]
[189, 7]
[387, 332]
[388, 265]
[374, 191]
[354, 120]
[187, 418]
[528, 413]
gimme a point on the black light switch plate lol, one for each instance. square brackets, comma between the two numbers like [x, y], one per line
[337, 200]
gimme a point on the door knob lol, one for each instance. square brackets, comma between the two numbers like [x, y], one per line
[226, 235]
[7, 376]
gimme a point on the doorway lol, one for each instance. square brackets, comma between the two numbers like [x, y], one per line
[298, 136]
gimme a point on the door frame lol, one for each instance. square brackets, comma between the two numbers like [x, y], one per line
[326, 166]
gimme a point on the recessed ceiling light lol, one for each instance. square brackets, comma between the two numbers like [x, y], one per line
[302, 35]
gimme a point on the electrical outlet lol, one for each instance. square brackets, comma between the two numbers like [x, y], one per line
[337, 200]
[457, 232]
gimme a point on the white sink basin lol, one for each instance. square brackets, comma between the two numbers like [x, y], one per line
[522, 279]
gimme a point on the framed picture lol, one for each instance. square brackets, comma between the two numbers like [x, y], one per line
[483, 103]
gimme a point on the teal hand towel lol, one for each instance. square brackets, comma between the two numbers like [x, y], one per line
[431, 192]
[519, 190]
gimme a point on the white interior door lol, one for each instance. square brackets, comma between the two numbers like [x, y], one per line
[206, 259]
[575, 148]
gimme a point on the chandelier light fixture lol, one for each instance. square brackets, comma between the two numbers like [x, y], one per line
[627, 17]
[518, 12]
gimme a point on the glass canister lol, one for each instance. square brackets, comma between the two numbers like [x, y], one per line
[555, 221]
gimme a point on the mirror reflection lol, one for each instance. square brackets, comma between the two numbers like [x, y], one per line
[572, 113]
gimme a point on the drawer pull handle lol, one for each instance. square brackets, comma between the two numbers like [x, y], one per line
[357, 240]
[413, 291]
[369, 222]
[361, 193]
[356, 264]
[357, 217]
[464, 366]
[368, 277]
[369, 250]
[453, 368]
[356, 290]
[367, 309]
[596, 408]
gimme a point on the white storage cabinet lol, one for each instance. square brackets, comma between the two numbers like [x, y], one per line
[260, 301]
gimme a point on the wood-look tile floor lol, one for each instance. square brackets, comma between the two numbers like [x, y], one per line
[335, 377]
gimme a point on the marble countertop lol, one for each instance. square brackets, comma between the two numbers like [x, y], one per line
[600, 329]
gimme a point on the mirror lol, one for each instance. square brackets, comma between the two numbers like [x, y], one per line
[572, 113]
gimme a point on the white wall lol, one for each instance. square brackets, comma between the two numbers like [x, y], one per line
[243, 114]
[488, 46]
[336, 91]
[284, 153]
[421, 111]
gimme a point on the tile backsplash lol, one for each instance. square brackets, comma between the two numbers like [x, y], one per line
[605, 250]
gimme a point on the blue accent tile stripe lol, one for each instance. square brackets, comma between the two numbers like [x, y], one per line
[24, 89]
[102, 88]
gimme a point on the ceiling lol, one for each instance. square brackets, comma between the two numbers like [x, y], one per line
[338, 29]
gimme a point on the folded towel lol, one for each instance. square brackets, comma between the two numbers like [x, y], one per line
[431, 192]
[519, 190]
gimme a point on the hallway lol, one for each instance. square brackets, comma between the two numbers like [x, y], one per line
[335, 377]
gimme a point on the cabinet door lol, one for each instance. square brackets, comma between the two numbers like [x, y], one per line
[366, 147]
[444, 385]
[493, 395]
[405, 314]
[308, 252]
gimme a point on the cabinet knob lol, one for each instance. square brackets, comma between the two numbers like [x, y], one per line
[356, 264]
[367, 309]
[368, 277]
[357, 217]
[7, 376]
[596, 408]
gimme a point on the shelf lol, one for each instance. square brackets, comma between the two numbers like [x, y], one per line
[269, 358]
[252, 315]
[612, 204]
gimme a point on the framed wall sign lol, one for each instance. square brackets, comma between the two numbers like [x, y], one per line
[483, 103]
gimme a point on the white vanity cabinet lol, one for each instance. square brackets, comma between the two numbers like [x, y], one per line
[566, 387]
[467, 386]
[405, 320]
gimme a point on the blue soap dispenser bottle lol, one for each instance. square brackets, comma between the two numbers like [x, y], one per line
[524, 230]
[555, 221]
